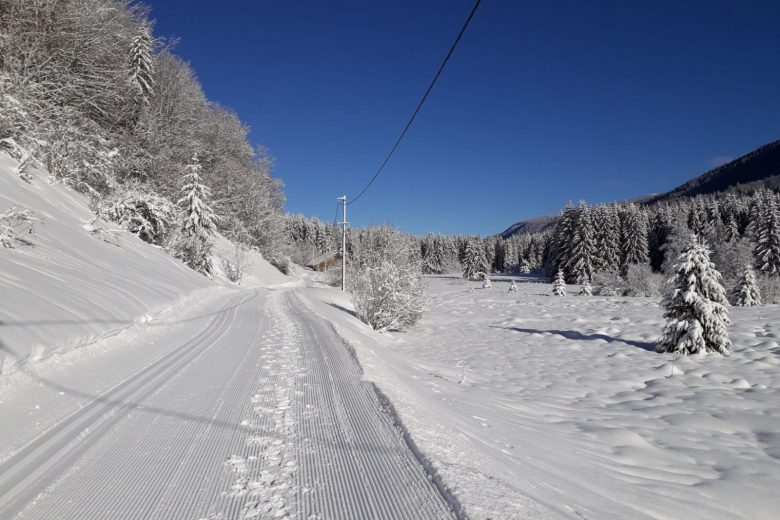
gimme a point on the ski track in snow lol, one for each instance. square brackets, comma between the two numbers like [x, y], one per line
[261, 413]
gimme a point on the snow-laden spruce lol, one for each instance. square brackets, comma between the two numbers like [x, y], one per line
[580, 262]
[141, 65]
[199, 218]
[474, 260]
[747, 293]
[633, 237]
[696, 306]
[194, 243]
[767, 236]
[559, 284]
[586, 289]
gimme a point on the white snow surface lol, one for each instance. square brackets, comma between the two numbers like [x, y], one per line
[142, 390]
[533, 406]
[200, 399]
[73, 287]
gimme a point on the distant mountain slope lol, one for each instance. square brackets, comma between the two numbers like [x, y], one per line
[757, 165]
[762, 165]
[532, 225]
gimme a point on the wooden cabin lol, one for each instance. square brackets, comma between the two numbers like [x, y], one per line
[325, 262]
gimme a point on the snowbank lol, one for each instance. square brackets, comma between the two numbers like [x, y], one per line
[534, 406]
[79, 281]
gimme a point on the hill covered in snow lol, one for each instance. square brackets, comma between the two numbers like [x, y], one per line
[76, 279]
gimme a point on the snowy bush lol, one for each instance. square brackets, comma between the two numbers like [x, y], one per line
[513, 287]
[234, 265]
[769, 287]
[387, 289]
[642, 281]
[14, 223]
[192, 249]
[141, 212]
[586, 289]
[487, 284]
[387, 297]
[609, 283]
[696, 306]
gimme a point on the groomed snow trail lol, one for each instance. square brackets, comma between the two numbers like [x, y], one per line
[259, 413]
[354, 462]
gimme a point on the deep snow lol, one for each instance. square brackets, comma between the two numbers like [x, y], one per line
[82, 281]
[529, 405]
[157, 384]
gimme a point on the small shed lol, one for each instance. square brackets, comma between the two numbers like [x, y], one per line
[325, 262]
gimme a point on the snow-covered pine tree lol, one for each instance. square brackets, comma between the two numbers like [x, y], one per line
[198, 221]
[560, 248]
[474, 260]
[696, 306]
[767, 236]
[606, 238]
[633, 234]
[559, 284]
[731, 230]
[747, 293]
[198, 217]
[510, 255]
[141, 68]
[490, 252]
[580, 263]
[586, 289]
[513, 287]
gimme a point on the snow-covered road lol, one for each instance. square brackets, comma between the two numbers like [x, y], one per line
[251, 408]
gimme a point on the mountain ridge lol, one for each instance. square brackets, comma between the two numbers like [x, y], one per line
[761, 164]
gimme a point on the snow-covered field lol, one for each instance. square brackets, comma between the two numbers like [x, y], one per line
[534, 406]
[518, 405]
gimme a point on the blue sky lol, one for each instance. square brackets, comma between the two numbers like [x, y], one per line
[543, 102]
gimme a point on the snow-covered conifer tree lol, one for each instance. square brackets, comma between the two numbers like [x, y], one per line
[586, 289]
[198, 221]
[141, 68]
[607, 238]
[474, 260]
[559, 284]
[696, 306]
[731, 230]
[580, 263]
[560, 248]
[767, 236]
[198, 217]
[510, 255]
[747, 293]
[633, 237]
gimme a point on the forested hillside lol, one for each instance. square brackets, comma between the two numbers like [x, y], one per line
[761, 165]
[757, 169]
[90, 94]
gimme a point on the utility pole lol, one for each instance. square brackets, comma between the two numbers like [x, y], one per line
[343, 201]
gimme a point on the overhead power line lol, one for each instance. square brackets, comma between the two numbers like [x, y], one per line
[419, 105]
